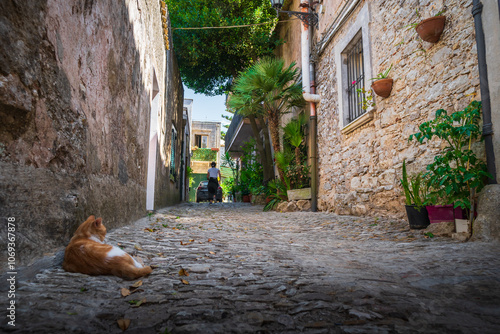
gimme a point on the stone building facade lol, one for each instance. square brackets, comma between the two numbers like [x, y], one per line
[90, 117]
[206, 135]
[359, 162]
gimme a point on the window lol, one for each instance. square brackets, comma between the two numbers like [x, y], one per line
[355, 79]
[172, 152]
[200, 141]
[353, 63]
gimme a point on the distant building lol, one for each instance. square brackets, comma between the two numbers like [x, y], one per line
[205, 148]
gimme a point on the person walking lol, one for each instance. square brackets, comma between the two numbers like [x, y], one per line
[213, 176]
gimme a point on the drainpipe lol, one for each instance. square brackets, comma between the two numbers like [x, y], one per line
[308, 88]
[477, 9]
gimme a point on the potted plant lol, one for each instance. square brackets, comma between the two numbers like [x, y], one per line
[430, 29]
[456, 172]
[382, 86]
[415, 193]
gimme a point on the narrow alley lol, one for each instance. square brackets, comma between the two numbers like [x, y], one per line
[232, 268]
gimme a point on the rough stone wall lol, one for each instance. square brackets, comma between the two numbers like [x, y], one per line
[359, 172]
[75, 99]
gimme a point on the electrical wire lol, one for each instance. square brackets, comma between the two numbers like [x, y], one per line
[231, 27]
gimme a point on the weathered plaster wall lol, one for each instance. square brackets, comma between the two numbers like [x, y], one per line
[75, 99]
[359, 172]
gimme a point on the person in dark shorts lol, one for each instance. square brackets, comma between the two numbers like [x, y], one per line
[213, 176]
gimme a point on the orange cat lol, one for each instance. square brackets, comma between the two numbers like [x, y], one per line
[87, 254]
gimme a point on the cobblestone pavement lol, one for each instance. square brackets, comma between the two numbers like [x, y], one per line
[266, 272]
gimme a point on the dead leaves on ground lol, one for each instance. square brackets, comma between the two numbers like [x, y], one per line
[133, 288]
[123, 324]
[183, 272]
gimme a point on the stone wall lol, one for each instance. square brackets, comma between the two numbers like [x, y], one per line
[76, 88]
[359, 172]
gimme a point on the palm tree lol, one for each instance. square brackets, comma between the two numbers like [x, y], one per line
[270, 89]
[239, 103]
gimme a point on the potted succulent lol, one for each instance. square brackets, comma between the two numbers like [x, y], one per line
[456, 173]
[382, 85]
[415, 193]
[430, 30]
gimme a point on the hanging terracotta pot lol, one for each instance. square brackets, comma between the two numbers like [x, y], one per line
[382, 87]
[430, 29]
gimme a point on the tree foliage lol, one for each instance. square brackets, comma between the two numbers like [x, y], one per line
[268, 88]
[209, 58]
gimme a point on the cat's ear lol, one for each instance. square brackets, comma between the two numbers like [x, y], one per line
[98, 222]
[91, 217]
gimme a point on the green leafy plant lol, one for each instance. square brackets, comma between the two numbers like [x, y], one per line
[204, 154]
[276, 193]
[251, 174]
[414, 188]
[383, 75]
[295, 168]
[269, 88]
[367, 98]
[189, 175]
[456, 171]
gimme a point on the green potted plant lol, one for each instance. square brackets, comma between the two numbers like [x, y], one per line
[430, 30]
[382, 85]
[415, 192]
[456, 172]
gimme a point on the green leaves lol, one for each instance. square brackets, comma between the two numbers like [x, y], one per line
[414, 188]
[382, 75]
[209, 58]
[457, 170]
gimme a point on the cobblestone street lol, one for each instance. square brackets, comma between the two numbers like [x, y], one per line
[232, 268]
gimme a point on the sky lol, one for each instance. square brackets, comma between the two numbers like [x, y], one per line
[207, 108]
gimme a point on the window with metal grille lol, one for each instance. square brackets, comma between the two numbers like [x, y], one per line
[355, 79]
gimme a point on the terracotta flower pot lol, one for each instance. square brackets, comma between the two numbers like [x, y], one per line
[430, 29]
[382, 87]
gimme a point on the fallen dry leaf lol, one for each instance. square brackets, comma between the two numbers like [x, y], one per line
[138, 247]
[209, 240]
[184, 281]
[213, 253]
[123, 324]
[183, 272]
[125, 292]
[185, 243]
[136, 284]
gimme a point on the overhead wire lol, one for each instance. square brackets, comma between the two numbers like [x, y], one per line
[231, 27]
